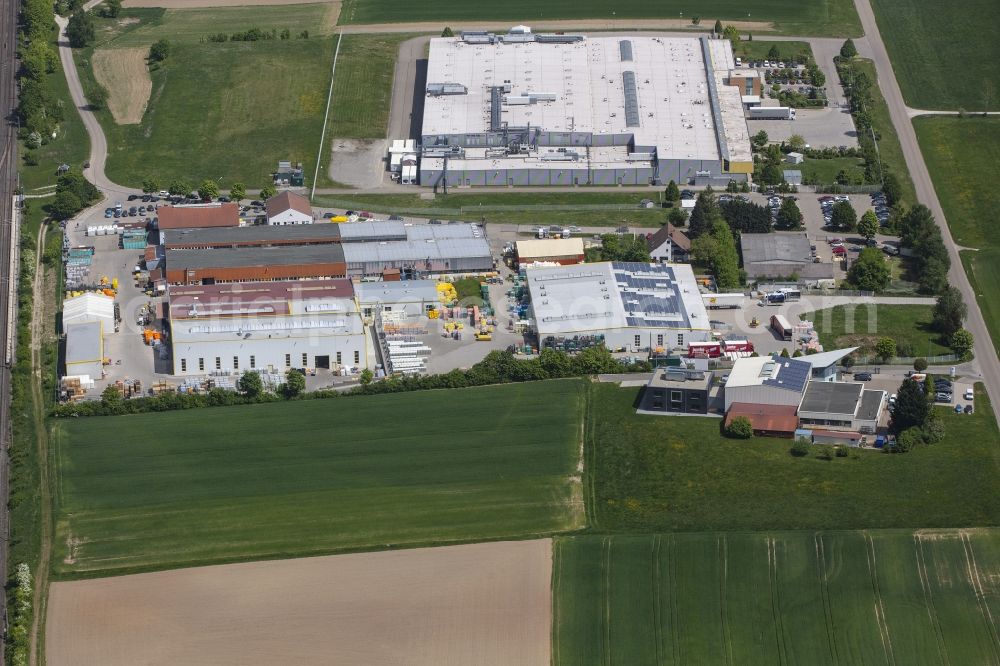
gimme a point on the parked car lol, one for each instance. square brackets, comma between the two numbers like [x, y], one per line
[862, 376]
[133, 197]
[942, 397]
[968, 409]
[969, 395]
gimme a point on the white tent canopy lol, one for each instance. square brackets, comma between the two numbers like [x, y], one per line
[89, 307]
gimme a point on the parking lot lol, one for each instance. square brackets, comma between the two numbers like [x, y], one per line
[831, 127]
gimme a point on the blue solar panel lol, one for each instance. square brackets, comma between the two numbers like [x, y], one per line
[792, 374]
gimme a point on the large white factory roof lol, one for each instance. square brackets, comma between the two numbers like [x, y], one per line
[614, 295]
[583, 86]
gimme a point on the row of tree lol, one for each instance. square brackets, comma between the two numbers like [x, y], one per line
[73, 194]
[208, 190]
[713, 243]
[498, 367]
[39, 113]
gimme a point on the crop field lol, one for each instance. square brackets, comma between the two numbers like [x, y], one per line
[816, 17]
[124, 74]
[310, 477]
[958, 152]
[485, 603]
[666, 473]
[862, 326]
[882, 597]
[942, 55]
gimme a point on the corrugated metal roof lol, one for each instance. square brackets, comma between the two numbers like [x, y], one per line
[457, 248]
[84, 342]
[412, 291]
[254, 256]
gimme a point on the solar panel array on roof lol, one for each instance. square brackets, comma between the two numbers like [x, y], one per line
[792, 375]
[649, 295]
[625, 47]
[631, 99]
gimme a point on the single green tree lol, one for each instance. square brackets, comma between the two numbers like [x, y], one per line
[65, 205]
[111, 397]
[740, 428]
[179, 187]
[159, 50]
[869, 272]
[238, 192]
[267, 192]
[868, 225]
[885, 349]
[784, 352]
[892, 188]
[672, 193]
[150, 184]
[774, 53]
[718, 27]
[920, 364]
[907, 440]
[677, 217]
[848, 50]
[759, 140]
[366, 378]
[295, 383]
[726, 262]
[962, 343]
[912, 407]
[789, 215]
[447, 32]
[112, 8]
[797, 143]
[208, 190]
[843, 217]
[80, 30]
[949, 312]
[705, 214]
[250, 384]
[847, 362]
[731, 33]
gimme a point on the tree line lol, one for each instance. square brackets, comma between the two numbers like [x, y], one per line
[498, 367]
[38, 112]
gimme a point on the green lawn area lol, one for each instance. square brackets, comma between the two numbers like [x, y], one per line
[889, 147]
[292, 479]
[908, 325]
[759, 48]
[945, 56]
[816, 17]
[825, 171]
[673, 473]
[958, 152]
[71, 146]
[817, 598]
[582, 208]
[362, 91]
[221, 110]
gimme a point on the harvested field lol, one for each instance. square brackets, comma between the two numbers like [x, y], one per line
[199, 4]
[124, 74]
[475, 604]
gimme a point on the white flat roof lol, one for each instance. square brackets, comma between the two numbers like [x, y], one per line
[672, 81]
[615, 295]
[549, 247]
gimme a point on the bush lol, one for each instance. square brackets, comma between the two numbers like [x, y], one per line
[920, 364]
[842, 452]
[801, 447]
[825, 453]
[740, 428]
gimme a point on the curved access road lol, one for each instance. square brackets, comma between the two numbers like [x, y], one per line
[98, 142]
[986, 355]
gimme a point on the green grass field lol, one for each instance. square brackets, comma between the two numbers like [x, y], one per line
[908, 325]
[292, 479]
[945, 57]
[957, 151]
[362, 91]
[889, 147]
[817, 17]
[826, 171]
[582, 208]
[759, 48]
[883, 597]
[666, 473]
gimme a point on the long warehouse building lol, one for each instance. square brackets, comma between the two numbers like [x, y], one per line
[630, 306]
[412, 258]
[535, 109]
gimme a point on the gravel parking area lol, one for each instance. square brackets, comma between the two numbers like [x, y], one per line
[821, 128]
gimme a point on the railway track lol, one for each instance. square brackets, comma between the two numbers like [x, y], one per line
[9, 262]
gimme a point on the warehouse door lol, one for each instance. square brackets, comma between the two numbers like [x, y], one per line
[323, 362]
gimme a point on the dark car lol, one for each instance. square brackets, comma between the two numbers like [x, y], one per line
[862, 376]
[327, 216]
[256, 202]
[434, 222]
[968, 409]
[146, 197]
[223, 199]
[133, 197]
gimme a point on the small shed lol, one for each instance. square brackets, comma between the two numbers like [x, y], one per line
[792, 176]
[795, 158]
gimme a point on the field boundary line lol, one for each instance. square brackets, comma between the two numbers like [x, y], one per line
[824, 590]
[925, 584]
[657, 610]
[556, 578]
[772, 577]
[675, 647]
[589, 450]
[977, 587]
[606, 565]
[722, 547]
[326, 116]
[883, 626]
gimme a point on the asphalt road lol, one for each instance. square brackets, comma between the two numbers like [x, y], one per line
[986, 356]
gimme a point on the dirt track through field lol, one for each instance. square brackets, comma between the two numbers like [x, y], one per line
[480, 604]
[124, 74]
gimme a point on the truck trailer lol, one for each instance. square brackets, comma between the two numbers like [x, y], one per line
[719, 301]
[771, 113]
